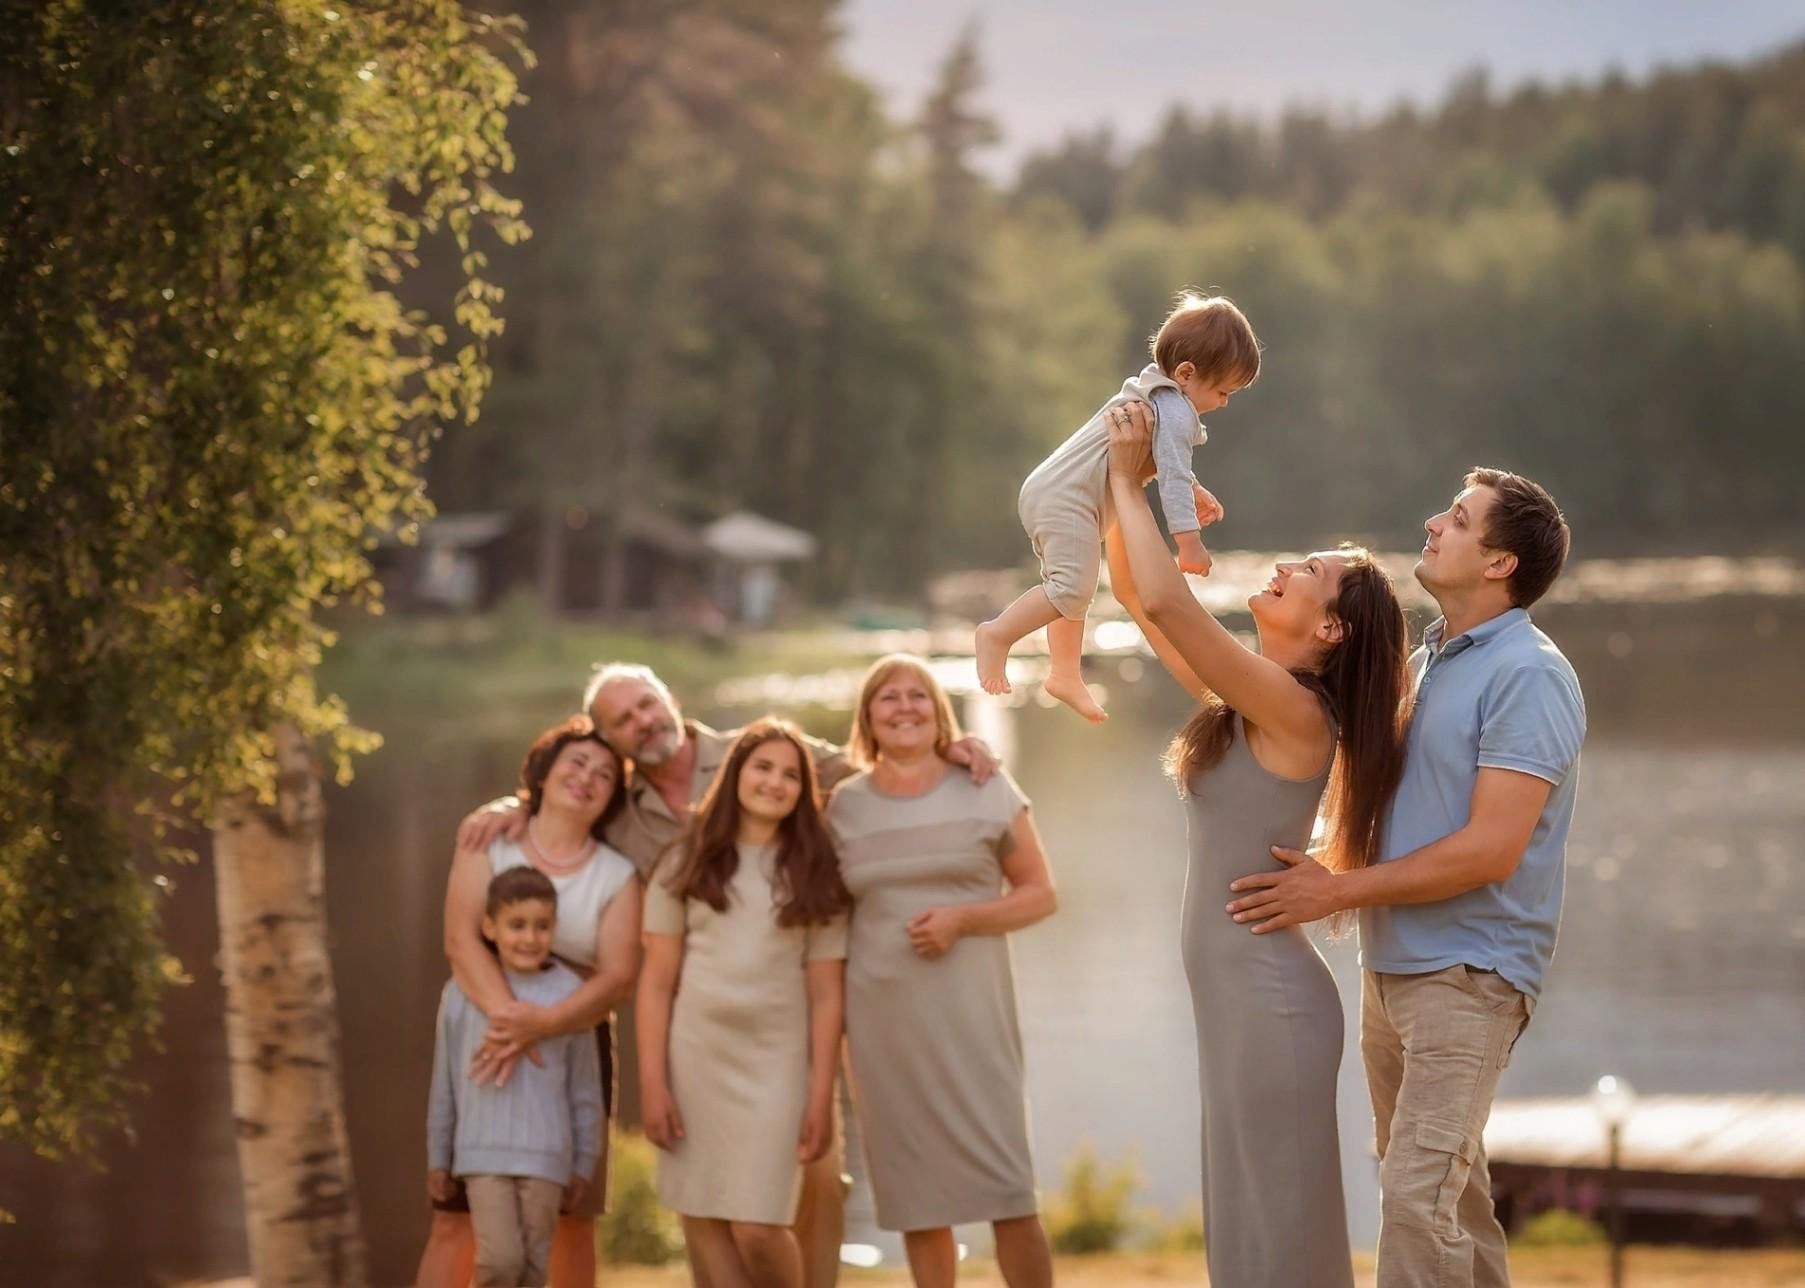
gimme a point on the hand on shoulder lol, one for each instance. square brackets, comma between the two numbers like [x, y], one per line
[501, 817]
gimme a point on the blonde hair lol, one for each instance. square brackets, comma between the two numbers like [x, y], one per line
[1211, 334]
[861, 749]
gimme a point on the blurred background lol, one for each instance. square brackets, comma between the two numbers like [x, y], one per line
[812, 286]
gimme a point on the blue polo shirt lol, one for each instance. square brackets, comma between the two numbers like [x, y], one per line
[1501, 696]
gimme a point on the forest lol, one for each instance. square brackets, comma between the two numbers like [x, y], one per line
[750, 284]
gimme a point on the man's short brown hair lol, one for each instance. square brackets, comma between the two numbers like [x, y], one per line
[1211, 334]
[1524, 521]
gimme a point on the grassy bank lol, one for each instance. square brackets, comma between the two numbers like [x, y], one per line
[410, 672]
[1530, 1268]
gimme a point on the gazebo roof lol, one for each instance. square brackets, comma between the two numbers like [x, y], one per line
[745, 537]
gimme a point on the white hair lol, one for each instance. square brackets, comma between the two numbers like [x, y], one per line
[607, 673]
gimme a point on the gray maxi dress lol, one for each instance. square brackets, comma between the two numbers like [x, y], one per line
[1269, 1033]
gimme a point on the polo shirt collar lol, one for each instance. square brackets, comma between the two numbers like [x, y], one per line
[711, 750]
[1489, 629]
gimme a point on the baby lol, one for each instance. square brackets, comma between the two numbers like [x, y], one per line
[1203, 353]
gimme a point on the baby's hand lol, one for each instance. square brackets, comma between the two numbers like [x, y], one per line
[1209, 509]
[1192, 557]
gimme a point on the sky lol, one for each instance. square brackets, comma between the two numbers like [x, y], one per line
[1055, 66]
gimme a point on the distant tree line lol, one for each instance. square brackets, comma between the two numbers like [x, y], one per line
[750, 286]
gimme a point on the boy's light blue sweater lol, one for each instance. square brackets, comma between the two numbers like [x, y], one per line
[545, 1122]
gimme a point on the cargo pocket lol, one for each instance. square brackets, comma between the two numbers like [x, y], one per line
[1453, 1146]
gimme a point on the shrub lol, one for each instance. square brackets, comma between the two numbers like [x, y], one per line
[1092, 1211]
[1559, 1228]
[636, 1229]
[1180, 1233]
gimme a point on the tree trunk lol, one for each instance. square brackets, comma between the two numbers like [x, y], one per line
[553, 542]
[282, 1032]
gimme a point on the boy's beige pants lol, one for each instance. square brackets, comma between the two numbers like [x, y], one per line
[1434, 1046]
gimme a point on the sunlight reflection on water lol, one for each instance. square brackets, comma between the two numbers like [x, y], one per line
[1237, 575]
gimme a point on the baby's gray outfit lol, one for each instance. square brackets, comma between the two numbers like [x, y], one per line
[1065, 505]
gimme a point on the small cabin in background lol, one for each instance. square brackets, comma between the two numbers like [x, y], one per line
[748, 553]
[646, 565]
[455, 565]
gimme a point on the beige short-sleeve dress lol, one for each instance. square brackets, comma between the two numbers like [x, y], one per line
[935, 1047]
[739, 1040]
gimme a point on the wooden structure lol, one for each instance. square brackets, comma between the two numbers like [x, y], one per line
[1695, 1169]
[748, 550]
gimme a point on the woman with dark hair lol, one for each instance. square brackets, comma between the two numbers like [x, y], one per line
[570, 788]
[737, 1066]
[1314, 718]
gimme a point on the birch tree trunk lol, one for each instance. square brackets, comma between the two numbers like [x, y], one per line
[282, 1032]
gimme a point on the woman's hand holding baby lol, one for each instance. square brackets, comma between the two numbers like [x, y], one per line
[1131, 440]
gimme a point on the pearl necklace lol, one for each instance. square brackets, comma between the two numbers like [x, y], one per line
[565, 864]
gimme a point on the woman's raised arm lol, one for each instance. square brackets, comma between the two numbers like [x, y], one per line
[1121, 585]
[1263, 692]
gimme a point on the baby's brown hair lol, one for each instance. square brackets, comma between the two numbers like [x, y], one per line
[1211, 334]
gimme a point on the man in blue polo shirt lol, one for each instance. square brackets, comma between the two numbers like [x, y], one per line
[1457, 923]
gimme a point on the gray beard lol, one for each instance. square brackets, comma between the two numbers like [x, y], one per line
[659, 749]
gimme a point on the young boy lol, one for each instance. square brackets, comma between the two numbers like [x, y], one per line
[1203, 353]
[523, 1149]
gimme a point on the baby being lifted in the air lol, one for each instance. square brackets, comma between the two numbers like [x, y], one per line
[1204, 352]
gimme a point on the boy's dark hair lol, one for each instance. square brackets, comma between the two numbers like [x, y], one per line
[519, 885]
[1524, 521]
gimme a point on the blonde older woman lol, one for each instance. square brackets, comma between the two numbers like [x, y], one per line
[940, 869]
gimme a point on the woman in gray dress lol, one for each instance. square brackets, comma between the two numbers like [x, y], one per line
[940, 869]
[1320, 705]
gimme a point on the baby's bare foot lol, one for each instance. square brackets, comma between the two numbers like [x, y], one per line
[1070, 689]
[993, 658]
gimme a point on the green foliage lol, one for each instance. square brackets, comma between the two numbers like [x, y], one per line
[1645, 377]
[636, 1230]
[1182, 1233]
[1719, 147]
[1559, 1228]
[1093, 1211]
[750, 289]
[754, 290]
[211, 399]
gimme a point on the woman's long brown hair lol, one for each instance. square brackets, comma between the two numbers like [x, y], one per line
[808, 885]
[1363, 680]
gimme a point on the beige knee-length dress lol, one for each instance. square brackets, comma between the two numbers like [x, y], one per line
[935, 1047]
[739, 1040]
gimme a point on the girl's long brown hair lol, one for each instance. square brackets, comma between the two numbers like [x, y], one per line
[809, 889]
[1364, 680]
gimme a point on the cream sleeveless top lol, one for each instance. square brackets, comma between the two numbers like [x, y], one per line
[582, 895]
